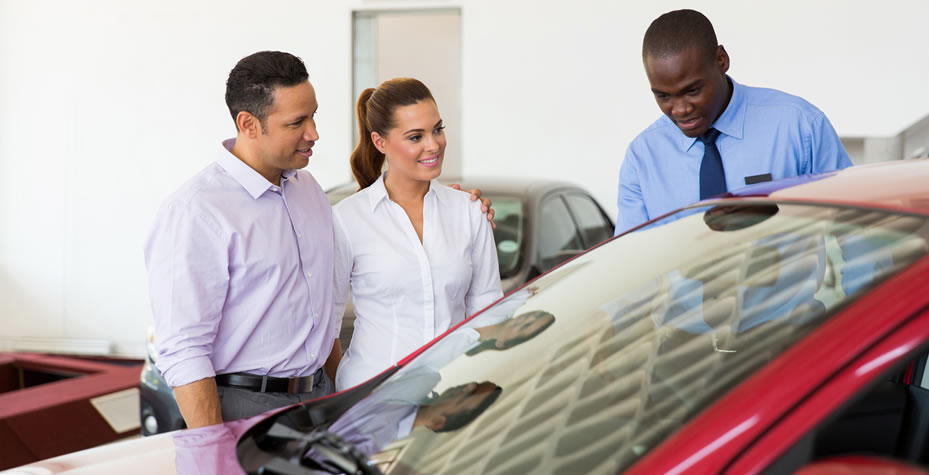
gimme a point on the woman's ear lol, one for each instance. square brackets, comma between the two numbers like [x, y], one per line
[379, 142]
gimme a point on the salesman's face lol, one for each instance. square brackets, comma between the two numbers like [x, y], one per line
[690, 87]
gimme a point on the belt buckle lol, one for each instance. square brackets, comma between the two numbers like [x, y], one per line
[300, 385]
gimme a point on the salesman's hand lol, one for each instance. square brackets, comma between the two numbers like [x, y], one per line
[485, 203]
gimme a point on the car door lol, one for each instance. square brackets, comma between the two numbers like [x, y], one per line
[876, 405]
[592, 223]
[557, 235]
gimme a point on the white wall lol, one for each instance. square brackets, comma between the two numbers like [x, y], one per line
[106, 106]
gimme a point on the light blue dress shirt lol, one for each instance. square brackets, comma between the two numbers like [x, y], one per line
[763, 131]
[241, 275]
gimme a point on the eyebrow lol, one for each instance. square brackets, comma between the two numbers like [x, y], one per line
[302, 117]
[697, 83]
[421, 130]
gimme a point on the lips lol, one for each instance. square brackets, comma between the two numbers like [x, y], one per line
[688, 124]
[429, 162]
[305, 152]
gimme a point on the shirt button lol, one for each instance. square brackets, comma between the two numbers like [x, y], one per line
[309, 274]
[300, 235]
[312, 355]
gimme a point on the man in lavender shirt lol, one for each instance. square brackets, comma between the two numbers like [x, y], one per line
[240, 259]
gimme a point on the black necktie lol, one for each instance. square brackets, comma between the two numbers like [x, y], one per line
[712, 177]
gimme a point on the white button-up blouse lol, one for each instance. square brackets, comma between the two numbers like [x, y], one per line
[406, 293]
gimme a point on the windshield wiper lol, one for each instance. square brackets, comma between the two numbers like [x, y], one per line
[318, 451]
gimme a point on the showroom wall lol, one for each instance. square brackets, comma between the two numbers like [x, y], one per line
[107, 106]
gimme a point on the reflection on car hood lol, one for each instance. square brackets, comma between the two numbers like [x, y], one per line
[193, 451]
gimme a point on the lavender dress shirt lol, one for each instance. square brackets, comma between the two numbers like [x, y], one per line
[241, 275]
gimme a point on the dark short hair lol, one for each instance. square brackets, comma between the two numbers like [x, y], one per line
[252, 81]
[676, 31]
[460, 419]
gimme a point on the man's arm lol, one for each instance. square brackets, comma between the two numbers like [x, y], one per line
[630, 200]
[199, 403]
[332, 363]
[188, 283]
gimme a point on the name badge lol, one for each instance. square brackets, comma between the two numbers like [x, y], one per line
[751, 180]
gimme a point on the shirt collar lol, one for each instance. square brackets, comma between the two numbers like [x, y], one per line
[731, 122]
[377, 192]
[253, 182]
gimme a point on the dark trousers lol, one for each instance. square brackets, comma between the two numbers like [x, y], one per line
[239, 403]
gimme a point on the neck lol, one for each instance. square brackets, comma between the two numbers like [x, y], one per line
[423, 416]
[728, 98]
[487, 332]
[403, 190]
[249, 156]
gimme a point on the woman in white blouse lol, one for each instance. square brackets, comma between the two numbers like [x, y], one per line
[420, 255]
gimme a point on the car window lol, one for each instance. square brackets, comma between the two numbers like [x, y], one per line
[596, 363]
[508, 236]
[558, 239]
[593, 225]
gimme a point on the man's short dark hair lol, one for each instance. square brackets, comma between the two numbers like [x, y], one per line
[251, 82]
[460, 419]
[676, 31]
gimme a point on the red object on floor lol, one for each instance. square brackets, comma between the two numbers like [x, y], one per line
[45, 407]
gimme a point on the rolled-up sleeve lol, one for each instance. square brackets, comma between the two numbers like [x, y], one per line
[187, 263]
[485, 286]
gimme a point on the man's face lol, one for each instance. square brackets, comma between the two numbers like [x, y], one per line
[289, 131]
[690, 88]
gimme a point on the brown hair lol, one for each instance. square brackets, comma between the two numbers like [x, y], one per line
[375, 112]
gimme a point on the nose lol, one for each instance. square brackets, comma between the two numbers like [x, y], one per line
[431, 143]
[680, 107]
[310, 134]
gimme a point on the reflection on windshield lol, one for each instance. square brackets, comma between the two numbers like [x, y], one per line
[409, 402]
[615, 350]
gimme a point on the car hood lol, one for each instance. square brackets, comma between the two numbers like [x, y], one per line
[209, 449]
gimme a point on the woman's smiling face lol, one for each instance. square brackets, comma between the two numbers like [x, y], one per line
[415, 146]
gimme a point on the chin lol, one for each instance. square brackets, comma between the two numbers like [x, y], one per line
[693, 133]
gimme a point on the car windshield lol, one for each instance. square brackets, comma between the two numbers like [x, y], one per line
[592, 365]
[508, 215]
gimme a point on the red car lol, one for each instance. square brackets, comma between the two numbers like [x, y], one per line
[782, 327]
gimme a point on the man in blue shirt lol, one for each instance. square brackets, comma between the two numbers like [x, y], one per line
[763, 134]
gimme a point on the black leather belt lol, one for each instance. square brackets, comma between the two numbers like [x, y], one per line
[270, 384]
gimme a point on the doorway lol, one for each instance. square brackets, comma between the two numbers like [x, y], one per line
[423, 44]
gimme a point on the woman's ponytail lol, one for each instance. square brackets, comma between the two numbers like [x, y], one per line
[367, 161]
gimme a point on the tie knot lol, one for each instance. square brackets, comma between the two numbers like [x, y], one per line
[709, 136]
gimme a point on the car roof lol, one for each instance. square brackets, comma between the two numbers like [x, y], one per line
[899, 184]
